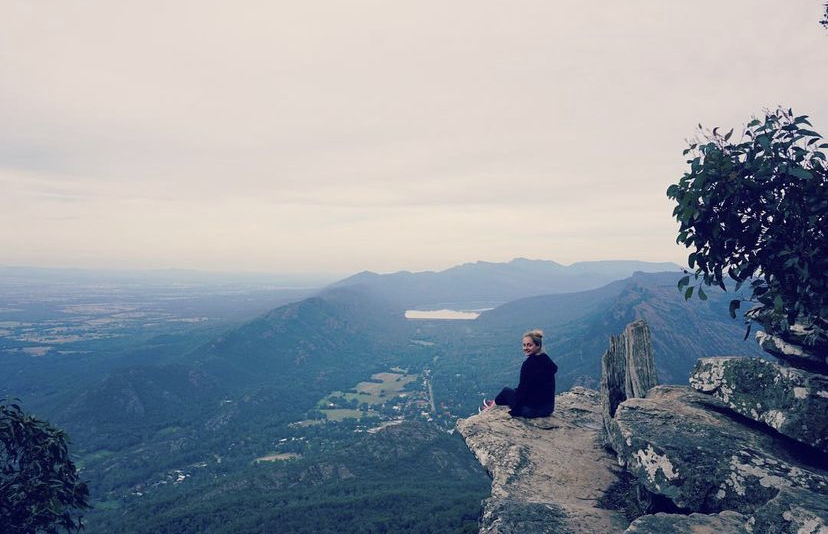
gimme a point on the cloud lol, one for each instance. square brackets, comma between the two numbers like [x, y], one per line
[369, 133]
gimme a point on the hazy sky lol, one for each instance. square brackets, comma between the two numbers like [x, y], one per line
[340, 136]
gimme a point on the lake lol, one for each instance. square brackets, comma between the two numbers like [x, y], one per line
[443, 314]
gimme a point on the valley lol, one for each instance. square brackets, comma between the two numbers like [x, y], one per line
[193, 409]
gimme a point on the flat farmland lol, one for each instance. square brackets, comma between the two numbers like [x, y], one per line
[381, 389]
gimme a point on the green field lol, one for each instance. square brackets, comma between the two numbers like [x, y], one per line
[381, 388]
[340, 414]
[278, 457]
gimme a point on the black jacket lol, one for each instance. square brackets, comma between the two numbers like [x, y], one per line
[537, 382]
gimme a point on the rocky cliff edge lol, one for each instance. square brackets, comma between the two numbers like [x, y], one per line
[547, 474]
[742, 451]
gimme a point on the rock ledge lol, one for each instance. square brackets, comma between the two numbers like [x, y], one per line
[547, 474]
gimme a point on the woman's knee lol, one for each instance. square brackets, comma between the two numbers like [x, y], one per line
[506, 397]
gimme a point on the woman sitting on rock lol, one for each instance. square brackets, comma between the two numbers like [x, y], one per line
[535, 394]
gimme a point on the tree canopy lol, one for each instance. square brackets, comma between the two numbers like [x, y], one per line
[755, 211]
[40, 491]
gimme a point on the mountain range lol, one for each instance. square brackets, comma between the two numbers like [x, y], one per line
[484, 284]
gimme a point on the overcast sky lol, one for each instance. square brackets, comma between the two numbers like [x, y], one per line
[339, 136]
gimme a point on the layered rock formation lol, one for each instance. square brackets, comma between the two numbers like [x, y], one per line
[627, 370]
[792, 401]
[723, 523]
[744, 446]
[741, 451]
[683, 447]
[802, 344]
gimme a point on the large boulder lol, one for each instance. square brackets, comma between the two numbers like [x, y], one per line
[686, 450]
[789, 400]
[627, 370]
[721, 523]
[792, 511]
[548, 474]
[507, 516]
[792, 353]
[803, 344]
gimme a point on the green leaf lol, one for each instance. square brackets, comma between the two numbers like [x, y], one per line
[689, 293]
[799, 172]
[702, 294]
[682, 283]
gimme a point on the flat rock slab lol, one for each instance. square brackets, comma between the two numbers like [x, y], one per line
[794, 351]
[789, 400]
[685, 446]
[722, 523]
[547, 473]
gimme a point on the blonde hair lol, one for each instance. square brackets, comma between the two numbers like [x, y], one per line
[536, 336]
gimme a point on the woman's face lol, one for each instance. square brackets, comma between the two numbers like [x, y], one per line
[529, 347]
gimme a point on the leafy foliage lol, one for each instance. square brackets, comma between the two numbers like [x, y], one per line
[39, 486]
[756, 211]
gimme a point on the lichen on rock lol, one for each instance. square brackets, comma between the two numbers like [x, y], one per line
[681, 446]
[787, 399]
[726, 522]
[742, 451]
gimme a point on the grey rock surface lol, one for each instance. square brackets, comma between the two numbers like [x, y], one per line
[803, 344]
[683, 445]
[793, 353]
[792, 511]
[789, 400]
[507, 516]
[548, 473]
[627, 370]
[722, 523]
